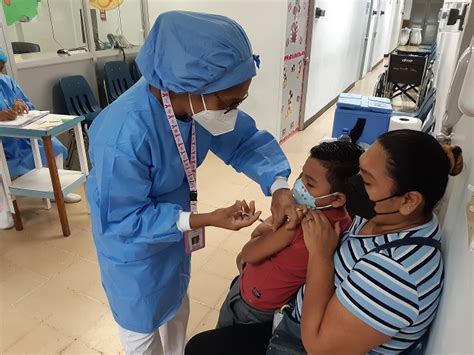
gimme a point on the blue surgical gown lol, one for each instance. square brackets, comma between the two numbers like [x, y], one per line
[136, 190]
[18, 150]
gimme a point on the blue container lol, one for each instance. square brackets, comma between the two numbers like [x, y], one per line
[371, 113]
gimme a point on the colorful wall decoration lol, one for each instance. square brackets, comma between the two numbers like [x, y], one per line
[294, 61]
[105, 4]
[16, 10]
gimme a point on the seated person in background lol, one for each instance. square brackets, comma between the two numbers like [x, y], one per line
[275, 263]
[14, 102]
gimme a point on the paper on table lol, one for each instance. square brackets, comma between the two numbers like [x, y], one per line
[50, 121]
[26, 119]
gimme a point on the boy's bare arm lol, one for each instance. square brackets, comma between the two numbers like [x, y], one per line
[259, 248]
[262, 228]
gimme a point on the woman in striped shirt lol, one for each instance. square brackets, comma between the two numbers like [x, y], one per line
[363, 294]
[377, 287]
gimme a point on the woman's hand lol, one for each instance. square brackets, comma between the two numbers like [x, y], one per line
[8, 115]
[235, 217]
[20, 107]
[320, 237]
[284, 209]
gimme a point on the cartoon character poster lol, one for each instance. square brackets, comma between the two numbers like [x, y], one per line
[293, 69]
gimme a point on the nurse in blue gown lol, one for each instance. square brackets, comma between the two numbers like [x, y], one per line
[14, 102]
[138, 191]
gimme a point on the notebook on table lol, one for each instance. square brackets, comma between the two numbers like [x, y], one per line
[25, 119]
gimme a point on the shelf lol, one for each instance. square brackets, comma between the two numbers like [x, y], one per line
[37, 183]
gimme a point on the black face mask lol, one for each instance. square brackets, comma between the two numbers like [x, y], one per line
[358, 201]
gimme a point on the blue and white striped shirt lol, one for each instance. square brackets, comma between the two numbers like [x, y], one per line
[395, 291]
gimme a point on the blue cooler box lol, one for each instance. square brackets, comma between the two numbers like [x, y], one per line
[372, 113]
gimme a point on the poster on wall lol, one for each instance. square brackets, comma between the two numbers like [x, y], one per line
[294, 62]
[105, 4]
[23, 10]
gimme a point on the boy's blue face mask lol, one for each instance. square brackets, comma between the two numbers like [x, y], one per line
[303, 197]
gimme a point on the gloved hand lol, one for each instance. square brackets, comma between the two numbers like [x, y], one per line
[235, 217]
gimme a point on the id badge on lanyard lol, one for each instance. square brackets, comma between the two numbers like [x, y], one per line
[194, 239]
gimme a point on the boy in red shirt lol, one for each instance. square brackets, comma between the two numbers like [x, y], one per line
[274, 263]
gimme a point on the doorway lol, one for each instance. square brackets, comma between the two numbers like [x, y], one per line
[425, 15]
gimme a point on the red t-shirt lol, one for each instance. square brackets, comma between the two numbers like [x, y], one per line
[269, 285]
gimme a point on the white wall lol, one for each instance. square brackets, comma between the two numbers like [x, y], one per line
[453, 329]
[264, 22]
[335, 51]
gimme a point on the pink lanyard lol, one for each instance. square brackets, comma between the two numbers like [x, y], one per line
[189, 166]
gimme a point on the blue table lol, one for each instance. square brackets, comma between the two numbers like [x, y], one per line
[41, 182]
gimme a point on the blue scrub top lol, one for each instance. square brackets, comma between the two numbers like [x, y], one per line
[136, 189]
[18, 150]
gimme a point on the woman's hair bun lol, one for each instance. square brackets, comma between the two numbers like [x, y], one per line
[456, 162]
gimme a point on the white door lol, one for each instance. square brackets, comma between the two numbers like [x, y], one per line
[379, 41]
[365, 42]
[295, 60]
[397, 20]
[372, 36]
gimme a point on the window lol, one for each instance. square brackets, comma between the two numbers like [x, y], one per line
[120, 18]
[44, 25]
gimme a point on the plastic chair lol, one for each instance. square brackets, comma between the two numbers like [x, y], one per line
[80, 101]
[117, 79]
[135, 71]
[25, 47]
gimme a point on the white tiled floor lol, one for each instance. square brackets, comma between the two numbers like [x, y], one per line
[51, 298]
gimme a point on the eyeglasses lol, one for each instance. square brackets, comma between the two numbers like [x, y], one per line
[233, 106]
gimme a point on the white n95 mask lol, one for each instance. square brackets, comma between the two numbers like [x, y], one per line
[216, 122]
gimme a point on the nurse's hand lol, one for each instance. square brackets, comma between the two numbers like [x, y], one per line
[235, 217]
[8, 115]
[284, 209]
[20, 107]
